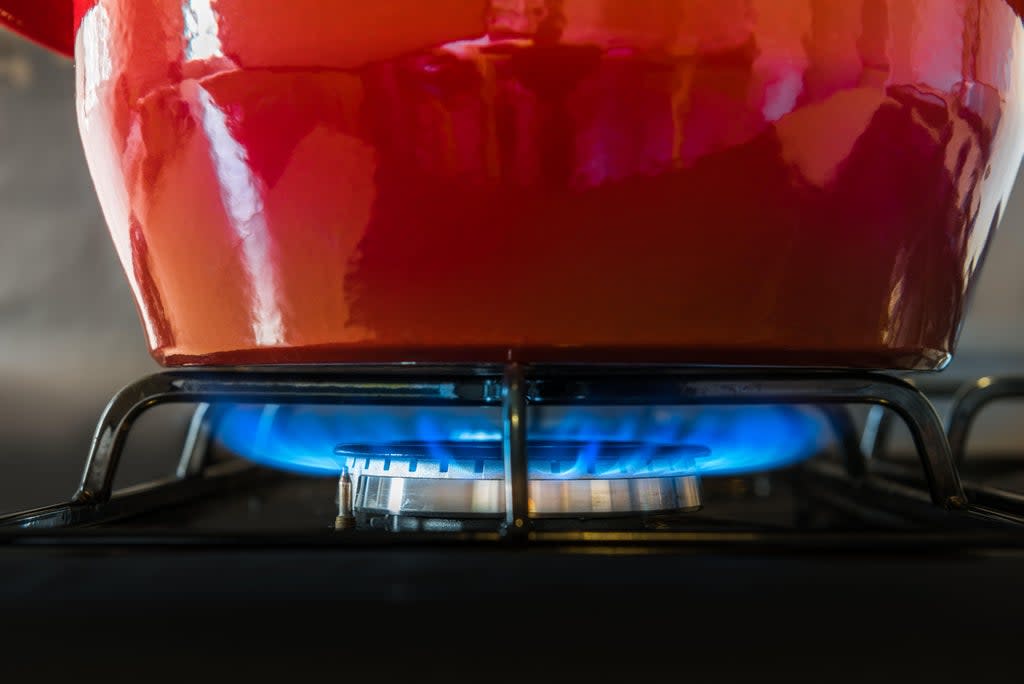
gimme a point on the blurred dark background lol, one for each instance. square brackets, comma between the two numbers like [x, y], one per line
[69, 334]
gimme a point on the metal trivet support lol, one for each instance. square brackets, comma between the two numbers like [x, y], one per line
[513, 447]
[968, 402]
[877, 431]
[513, 387]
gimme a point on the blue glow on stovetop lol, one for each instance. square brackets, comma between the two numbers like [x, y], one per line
[737, 439]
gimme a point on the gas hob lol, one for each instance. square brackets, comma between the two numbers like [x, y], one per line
[498, 501]
[533, 450]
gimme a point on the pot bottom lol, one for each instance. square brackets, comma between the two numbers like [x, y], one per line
[868, 358]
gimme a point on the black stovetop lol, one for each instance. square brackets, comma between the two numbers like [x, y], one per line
[826, 568]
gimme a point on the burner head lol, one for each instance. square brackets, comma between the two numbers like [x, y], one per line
[465, 479]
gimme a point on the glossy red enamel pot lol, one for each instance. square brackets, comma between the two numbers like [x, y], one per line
[807, 182]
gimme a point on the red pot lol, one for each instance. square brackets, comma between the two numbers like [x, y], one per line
[805, 182]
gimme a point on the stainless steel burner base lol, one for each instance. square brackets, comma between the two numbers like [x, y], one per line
[418, 496]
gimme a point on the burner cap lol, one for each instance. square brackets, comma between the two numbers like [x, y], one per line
[457, 479]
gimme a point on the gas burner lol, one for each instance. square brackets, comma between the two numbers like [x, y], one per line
[514, 477]
[453, 480]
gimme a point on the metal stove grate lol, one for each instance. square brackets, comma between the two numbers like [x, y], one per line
[513, 387]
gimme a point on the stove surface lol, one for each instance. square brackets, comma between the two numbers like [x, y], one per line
[435, 611]
[776, 569]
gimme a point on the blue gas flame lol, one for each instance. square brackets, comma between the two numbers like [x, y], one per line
[740, 439]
